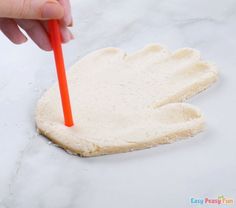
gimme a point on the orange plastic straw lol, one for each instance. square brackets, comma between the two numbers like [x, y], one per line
[55, 35]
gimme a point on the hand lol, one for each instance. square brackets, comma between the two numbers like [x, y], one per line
[31, 16]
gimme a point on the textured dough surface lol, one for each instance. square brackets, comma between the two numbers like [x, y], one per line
[123, 102]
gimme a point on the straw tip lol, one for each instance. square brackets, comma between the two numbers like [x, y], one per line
[69, 124]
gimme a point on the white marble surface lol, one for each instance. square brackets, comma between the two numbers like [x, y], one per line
[34, 173]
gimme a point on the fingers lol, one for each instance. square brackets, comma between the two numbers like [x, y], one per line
[152, 53]
[37, 33]
[67, 19]
[36, 30]
[28, 9]
[21, 10]
[66, 35]
[11, 30]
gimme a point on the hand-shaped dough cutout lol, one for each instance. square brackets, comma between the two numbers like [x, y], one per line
[125, 102]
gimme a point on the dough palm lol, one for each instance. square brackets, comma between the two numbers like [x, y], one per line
[123, 102]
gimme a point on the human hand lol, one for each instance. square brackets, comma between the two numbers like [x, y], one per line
[31, 16]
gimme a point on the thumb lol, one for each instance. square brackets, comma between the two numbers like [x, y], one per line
[31, 9]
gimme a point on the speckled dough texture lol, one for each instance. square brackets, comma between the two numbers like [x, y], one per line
[123, 102]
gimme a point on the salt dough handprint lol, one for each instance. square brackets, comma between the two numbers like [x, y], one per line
[123, 102]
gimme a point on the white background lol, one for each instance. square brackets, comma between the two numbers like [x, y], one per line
[35, 174]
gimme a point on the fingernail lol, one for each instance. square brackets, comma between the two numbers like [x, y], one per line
[22, 40]
[71, 23]
[66, 37]
[52, 10]
[72, 37]
[68, 21]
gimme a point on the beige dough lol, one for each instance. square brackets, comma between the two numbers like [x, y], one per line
[123, 102]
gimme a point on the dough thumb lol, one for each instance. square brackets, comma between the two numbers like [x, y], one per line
[31, 9]
[163, 125]
[181, 119]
